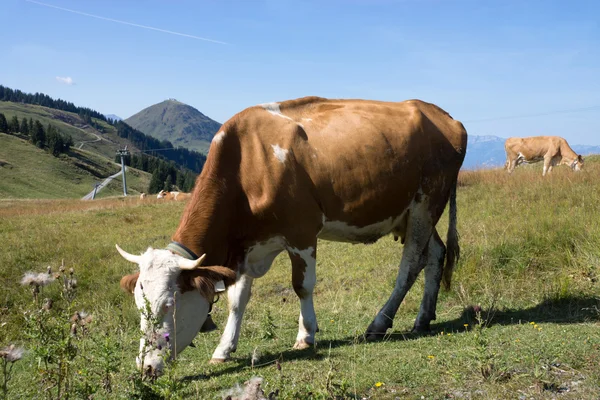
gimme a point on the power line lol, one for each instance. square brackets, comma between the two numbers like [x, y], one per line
[163, 149]
[582, 109]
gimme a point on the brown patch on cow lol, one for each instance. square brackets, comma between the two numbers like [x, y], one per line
[128, 282]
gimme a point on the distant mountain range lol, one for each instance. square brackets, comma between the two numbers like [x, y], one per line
[488, 151]
[178, 123]
[113, 117]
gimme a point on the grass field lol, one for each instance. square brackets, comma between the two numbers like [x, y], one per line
[28, 172]
[530, 261]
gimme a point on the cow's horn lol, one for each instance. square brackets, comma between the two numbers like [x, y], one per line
[184, 263]
[129, 257]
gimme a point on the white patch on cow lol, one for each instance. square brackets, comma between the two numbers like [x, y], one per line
[307, 119]
[274, 109]
[279, 153]
[218, 137]
[343, 232]
[260, 256]
[306, 254]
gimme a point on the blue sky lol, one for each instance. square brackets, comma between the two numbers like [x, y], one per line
[480, 60]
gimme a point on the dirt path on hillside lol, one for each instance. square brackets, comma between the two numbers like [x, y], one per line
[79, 145]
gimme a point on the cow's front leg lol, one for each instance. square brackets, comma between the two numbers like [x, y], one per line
[304, 277]
[237, 296]
[547, 166]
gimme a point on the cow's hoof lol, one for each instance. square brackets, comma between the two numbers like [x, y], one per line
[375, 332]
[216, 361]
[302, 345]
[370, 336]
[425, 328]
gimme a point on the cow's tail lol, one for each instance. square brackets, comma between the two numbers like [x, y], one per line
[452, 247]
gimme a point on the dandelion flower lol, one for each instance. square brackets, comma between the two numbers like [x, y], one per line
[466, 325]
[532, 323]
[431, 357]
[331, 321]
[379, 384]
[12, 353]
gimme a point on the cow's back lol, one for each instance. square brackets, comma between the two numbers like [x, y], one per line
[354, 161]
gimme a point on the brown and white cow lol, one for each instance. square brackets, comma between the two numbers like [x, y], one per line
[553, 150]
[177, 196]
[281, 175]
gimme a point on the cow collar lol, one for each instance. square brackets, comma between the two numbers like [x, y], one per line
[181, 250]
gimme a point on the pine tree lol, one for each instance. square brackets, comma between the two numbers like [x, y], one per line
[38, 136]
[13, 126]
[168, 184]
[30, 125]
[3, 124]
[155, 182]
[24, 127]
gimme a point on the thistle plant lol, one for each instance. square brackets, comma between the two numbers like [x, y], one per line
[9, 356]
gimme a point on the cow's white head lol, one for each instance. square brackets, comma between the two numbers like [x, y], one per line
[162, 194]
[577, 164]
[174, 295]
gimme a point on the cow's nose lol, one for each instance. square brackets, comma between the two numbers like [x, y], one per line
[150, 372]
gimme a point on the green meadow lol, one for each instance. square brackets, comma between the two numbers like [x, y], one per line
[522, 320]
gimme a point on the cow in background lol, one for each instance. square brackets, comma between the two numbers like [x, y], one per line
[142, 196]
[177, 196]
[281, 175]
[553, 150]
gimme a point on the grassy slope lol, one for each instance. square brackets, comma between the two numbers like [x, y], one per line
[530, 249]
[68, 123]
[29, 172]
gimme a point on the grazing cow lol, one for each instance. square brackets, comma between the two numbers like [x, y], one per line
[554, 150]
[142, 196]
[177, 196]
[280, 175]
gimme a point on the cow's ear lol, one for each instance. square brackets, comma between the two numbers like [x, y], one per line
[580, 159]
[204, 279]
[128, 282]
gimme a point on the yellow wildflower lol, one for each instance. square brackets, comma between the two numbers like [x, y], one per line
[431, 357]
[379, 384]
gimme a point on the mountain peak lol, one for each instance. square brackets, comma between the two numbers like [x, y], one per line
[177, 122]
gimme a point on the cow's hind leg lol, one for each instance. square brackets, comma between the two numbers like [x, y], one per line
[419, 230]
[433, 260]
[237, 296]
[304, 277]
